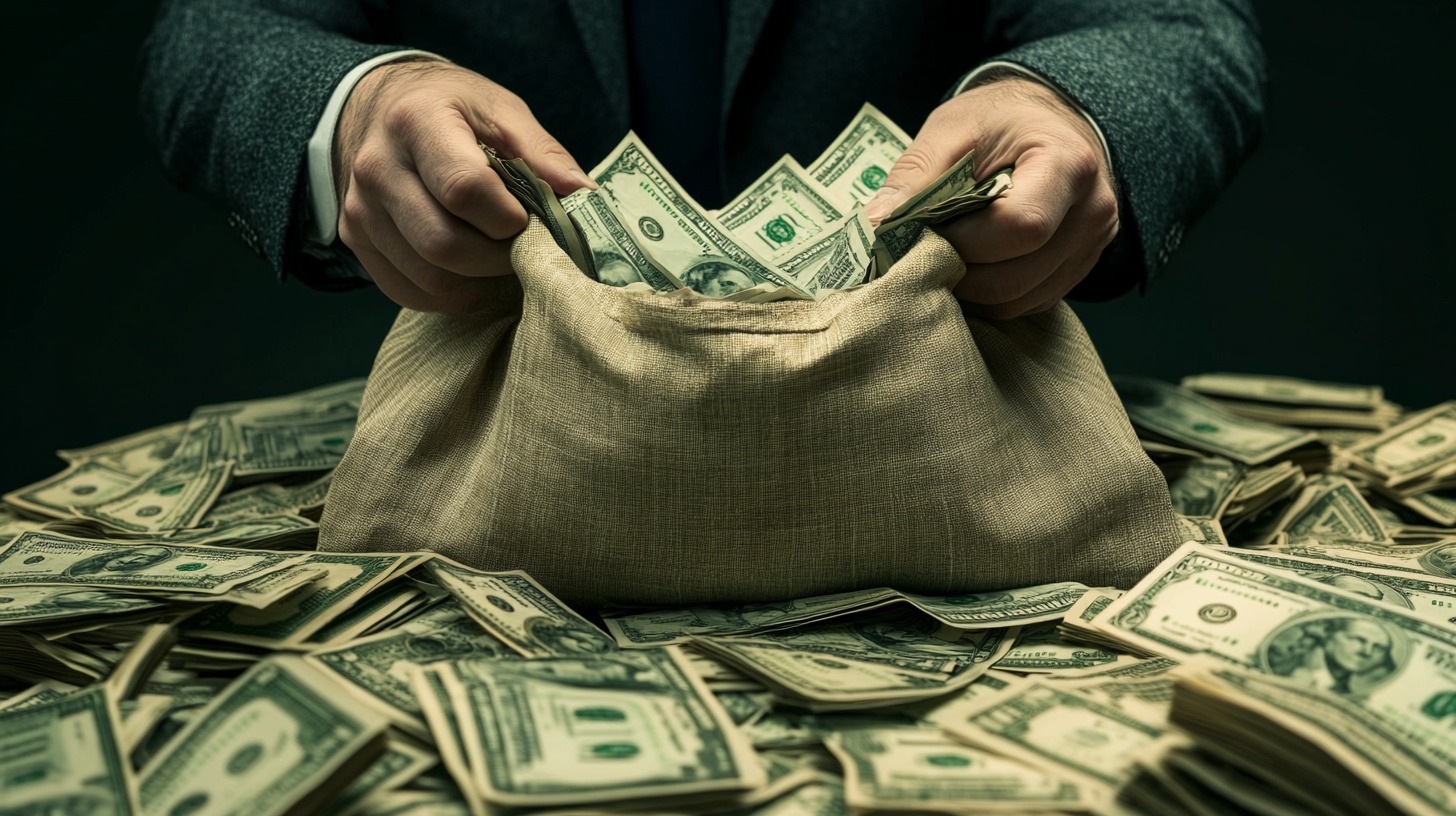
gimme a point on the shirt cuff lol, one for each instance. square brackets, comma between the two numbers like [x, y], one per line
[1002, 67]
[323, 226]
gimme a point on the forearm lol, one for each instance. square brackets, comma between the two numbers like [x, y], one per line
[231, 93]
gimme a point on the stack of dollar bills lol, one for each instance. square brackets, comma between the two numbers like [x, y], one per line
[795, 233]
[173, 644]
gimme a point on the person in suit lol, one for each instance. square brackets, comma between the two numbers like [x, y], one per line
[342, 134]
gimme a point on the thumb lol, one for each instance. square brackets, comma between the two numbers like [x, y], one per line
[525, 138]
[933, 152]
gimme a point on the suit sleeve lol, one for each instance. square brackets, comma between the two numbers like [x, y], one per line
[1177, 87]
[231, 91]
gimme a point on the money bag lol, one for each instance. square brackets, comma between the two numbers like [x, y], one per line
[629, 449]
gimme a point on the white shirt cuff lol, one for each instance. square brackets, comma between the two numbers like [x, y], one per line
[323, 201]
[1023, 71]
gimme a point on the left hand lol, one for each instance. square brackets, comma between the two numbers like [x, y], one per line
[1027, 250]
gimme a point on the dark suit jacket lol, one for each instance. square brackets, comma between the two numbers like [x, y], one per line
[232, 90]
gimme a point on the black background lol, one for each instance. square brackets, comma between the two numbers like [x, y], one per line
[127, 302]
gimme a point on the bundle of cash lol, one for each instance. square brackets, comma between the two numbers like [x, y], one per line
[794, 233]
[174, 644]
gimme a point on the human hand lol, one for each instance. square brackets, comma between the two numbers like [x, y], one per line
[1027, 250]
[421, 208]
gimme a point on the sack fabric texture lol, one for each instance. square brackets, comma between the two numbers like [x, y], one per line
[626, 448]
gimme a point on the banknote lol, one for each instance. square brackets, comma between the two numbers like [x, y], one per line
[32, 605]
[37, 558]
[1357, 747]
[180, 490]
[82, 485]
[855, 165]
[915, 769]
[1185, 417]
[61, 755]
[346, 576]
[283, 738]
[378, 665]
[838, 259]
[680, 236]
[1041, 648]
[781, 211]
[309, 430]
[1059, 731]
[134, 454]
[548, 725]
[519, 611]
[1204, 487]
[989, 610]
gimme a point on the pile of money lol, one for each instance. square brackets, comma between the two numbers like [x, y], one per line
[795, 233]
[174, 644]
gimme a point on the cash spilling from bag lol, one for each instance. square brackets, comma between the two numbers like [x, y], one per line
[174, 644]
[795, 233]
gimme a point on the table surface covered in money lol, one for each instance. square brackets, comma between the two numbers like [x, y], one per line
[173, 645]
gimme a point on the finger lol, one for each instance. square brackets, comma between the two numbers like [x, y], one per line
[385, 237]
[1043, 296]
[453, 168]
[932, 152]
[523, 136]
[438, 236]
[1004, 281]
[386, 277]
[1022, 221]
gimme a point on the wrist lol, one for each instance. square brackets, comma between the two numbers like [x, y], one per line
[363, 105]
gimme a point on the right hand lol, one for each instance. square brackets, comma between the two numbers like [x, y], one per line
[421, 208]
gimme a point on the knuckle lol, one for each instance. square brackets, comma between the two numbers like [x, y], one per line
[1084, 164]
[1027, 227]
[917, 160]
[463, 188]
[402, 117]
[370, 166]
[441, 246]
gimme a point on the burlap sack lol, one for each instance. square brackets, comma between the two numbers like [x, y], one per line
[625, 448]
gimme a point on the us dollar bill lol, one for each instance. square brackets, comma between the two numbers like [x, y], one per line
[134, 454]
[1182, 416]
[838, 259]
[281, 738]
[1426, 596]
[855, 165]
[676, 231]
[309, 430]
[32, 605]
[1064, 733]
[379, 665]
[1204, 487]
[1437, 560]
[1420, 445]
[1291, 390]
[1041, 648]
[546, 726]
[781, 211]
[540, 200]
[915, 769]
[1364, 754]
[82, 485]
[62, 755]
[346, 577]
[39, 558]
[990, 610]
[1202, 601]
[180, 490]
[834, 680]
[519, 611]
[1331, 507]
[617, 257]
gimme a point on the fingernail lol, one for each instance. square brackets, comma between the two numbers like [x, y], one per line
[879, 207]
[583, 179]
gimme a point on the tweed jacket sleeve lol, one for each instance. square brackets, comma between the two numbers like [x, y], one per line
[1176, 86]
[231, 92]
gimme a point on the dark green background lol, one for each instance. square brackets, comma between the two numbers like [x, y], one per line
[128, 303]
